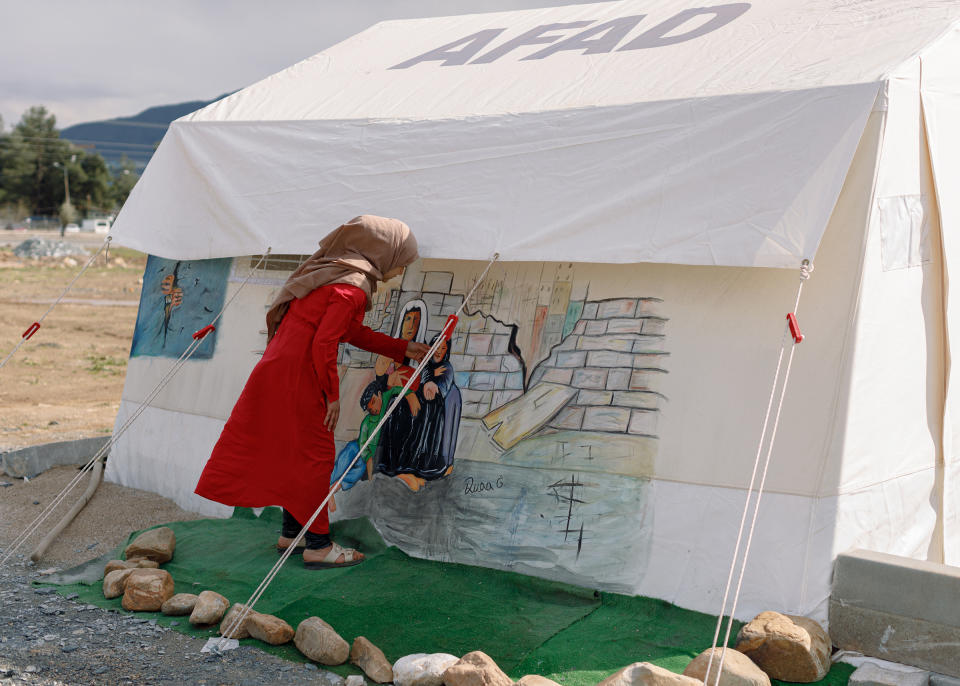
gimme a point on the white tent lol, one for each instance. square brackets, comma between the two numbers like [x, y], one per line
[639, 167]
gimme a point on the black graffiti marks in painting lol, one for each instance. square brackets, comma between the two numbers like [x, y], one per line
[567, 493]
[475, 487]
[172, 299]
[512, 348]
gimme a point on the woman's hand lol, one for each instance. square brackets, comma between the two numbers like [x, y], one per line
[416, 351]
[333, 414]
[430, 390]
[382, 365]
[414, 404]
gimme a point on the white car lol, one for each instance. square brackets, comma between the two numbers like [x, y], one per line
[71, 228]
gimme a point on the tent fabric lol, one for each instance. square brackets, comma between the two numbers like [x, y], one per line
[706, 136]
[789, 130]
[940, 97]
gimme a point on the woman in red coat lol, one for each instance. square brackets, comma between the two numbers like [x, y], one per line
[277, 447]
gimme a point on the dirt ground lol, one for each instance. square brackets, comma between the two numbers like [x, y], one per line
[66, 381]
[110, 516]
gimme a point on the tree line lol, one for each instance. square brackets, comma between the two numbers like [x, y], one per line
[36, 167]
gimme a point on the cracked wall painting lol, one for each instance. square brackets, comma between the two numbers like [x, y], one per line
[178, 298]
[528, 442]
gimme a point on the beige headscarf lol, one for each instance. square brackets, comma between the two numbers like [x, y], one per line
[359, 252]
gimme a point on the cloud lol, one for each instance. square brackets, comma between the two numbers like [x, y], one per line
[99, 59]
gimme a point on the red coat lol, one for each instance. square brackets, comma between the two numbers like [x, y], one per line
[274, 449]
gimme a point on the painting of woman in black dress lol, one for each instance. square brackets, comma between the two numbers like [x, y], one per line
[390, 459]
[418, 440]
[434, 437]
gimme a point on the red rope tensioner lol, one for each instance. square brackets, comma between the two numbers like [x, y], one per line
[202, 333]
[794, 328]
[448, 328]
[32, 329]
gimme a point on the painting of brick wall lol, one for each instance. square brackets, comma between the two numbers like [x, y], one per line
[615, 359]
[487, 373]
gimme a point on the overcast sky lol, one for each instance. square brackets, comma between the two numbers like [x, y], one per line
[96, 59]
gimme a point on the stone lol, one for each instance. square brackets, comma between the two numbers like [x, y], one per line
[786, 647]
[476, 669]
[536, 680]
[371, 660]
[355, 680]
[270, 629]
[180, 604]
[156, 544]
[641, 674]
[139, 562]
[320, 642]
[329, 678]
[869, 674]
[422, 669]
[738, 669]
[209, 609]
[114, 565]
[147, 590]
[40, 247]
[228, 619]
[115, 582]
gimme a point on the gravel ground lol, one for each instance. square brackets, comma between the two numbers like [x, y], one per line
[48, 639]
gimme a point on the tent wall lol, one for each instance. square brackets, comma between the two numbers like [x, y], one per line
[941, 116]
[890, 444]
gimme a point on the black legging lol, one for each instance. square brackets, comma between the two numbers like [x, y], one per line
[291, 527]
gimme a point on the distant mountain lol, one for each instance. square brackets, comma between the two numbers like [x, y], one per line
[134, 137]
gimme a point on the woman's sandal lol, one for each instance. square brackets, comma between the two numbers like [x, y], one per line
[330, 559]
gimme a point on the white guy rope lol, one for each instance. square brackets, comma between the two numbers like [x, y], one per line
[30, 331]
[105, 449]
[805, 270]
[248, 606]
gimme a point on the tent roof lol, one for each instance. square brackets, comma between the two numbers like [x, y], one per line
[773, 45]
[612, 132]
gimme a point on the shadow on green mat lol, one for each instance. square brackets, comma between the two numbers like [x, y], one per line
[406, 605]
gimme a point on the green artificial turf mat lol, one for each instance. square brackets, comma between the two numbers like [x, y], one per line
[406, 605]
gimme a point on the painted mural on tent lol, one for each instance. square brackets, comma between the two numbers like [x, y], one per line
[178, 298]
[528, 442]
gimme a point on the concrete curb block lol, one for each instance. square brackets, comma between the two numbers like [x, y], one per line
[36, 459]
[897, 609]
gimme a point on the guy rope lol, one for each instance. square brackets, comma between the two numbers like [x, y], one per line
[445, 334]
[198, 338]
[791, 338]
[33, 328]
